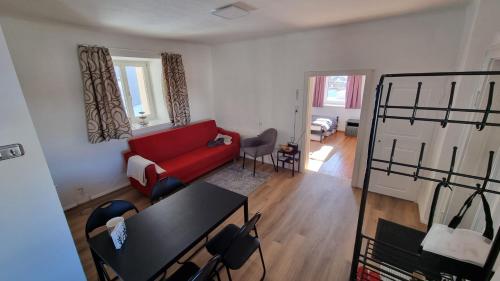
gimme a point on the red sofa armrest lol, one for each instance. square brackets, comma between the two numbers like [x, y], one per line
[151, 176]
[235, 145]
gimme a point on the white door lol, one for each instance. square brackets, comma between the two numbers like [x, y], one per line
[36, 241]
[493, 199]
[490, 142]
[409, 137]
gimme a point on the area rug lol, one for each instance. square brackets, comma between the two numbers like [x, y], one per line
[239, 180]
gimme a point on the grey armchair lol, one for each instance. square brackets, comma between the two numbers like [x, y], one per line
[260, 146]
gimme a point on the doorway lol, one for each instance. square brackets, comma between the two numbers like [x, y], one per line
[333, 119]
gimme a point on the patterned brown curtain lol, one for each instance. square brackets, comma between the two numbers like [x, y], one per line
[176, 95]
[106, 115]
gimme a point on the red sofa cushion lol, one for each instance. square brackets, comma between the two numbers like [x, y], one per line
[190, 165]
[171, 143]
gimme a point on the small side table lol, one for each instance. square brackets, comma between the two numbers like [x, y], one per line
[289, 157]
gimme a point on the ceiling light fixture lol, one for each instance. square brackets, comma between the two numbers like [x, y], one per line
[231, 11]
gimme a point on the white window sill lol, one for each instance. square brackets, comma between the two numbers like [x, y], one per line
[153, 125]
[334, 105]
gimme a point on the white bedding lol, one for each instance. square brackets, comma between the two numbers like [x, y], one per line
[324, 123]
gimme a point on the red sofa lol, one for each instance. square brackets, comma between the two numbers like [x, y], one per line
[182, 152]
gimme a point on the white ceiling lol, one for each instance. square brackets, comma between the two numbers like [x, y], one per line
[191, 20]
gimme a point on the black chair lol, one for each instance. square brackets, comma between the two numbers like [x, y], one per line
[102, 214]
[191, 272]
[235, 245]
[164, 188]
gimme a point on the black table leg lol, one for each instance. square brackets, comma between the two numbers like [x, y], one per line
[277, 161]
[98, 268]
[245, 211]
[274, 166]
[298, 166]
[254, 163]
[293, 166]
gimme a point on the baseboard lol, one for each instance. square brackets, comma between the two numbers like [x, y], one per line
[108, 192]
[93, 197]
[70, 206]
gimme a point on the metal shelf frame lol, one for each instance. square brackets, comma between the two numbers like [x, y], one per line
[363, 256]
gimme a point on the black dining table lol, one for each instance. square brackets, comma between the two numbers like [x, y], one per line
[161, 234]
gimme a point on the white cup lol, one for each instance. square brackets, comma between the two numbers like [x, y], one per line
[112, 223]
[117, 231]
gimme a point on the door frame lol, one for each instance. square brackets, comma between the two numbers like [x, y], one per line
[364, 128]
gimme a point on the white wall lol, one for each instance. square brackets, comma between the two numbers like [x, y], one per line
[255, 81]
[36, 241]
[45, 58]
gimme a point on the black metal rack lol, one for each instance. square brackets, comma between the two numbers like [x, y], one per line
[368, 250]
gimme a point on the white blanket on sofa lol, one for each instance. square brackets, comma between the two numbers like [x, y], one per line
[136, 168]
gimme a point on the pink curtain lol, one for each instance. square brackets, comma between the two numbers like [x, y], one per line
[319, 91]
[353, 91]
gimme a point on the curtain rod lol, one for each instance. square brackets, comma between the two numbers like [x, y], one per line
[156, 52]
[137, 50]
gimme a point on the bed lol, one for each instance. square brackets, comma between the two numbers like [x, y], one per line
[323, 126]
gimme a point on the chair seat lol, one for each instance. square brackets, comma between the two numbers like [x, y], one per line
[251, 150]
[240, 251]
[184, 273]
[220, 242]
[198, 161]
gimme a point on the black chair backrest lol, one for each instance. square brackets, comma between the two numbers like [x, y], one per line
[244, 231]
[248, 226]
[161, 190]
[106, 211]
[269, 136]
[205, 273]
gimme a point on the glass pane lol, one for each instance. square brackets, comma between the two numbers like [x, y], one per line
[120, 85]
[336, 89]
[137, 87]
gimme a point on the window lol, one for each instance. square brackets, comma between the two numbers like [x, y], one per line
[335, 90]
[135, 88]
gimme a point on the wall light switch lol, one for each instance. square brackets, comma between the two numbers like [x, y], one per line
[11, 151]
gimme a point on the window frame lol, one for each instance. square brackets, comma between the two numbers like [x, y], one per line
[326, 102]
[122, 64]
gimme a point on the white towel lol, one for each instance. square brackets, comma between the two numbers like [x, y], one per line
[227, 139]
[461, 244]
[136, 168]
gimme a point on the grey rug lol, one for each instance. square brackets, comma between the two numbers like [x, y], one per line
[239, 180]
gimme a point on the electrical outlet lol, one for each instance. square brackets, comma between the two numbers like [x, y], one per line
[11, 151]
[82, 196]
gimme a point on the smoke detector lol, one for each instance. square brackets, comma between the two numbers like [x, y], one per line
[231, 11]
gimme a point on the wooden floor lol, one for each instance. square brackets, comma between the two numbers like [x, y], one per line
[334, 156]
[307, 229]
